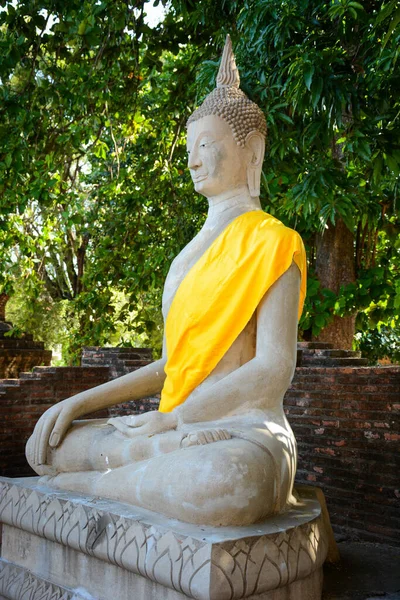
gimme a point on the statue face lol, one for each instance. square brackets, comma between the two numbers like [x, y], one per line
[217, 164]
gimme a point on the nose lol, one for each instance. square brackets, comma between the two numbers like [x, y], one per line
[194, 161]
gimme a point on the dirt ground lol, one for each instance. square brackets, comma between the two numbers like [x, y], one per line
[366, 572]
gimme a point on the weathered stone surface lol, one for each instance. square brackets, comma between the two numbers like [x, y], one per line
[25, 399]
[220, 451]
[64, 546]
[21, 584]
[345, 421]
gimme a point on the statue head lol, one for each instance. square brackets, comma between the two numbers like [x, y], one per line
[228, 133]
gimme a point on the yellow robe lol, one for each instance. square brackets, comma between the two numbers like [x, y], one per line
[219, 295]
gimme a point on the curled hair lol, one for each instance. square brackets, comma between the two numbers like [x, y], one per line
[229, 103]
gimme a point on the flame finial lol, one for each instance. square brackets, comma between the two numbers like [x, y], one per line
[228, 74]
[230, 103]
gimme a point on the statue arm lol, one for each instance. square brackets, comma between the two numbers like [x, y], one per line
[54, 423]
[261, 382]
[138, 384]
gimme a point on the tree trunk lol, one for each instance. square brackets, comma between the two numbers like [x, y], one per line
[3, 301]
[335, 267]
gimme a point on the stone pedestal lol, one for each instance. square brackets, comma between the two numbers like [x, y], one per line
[65, 546]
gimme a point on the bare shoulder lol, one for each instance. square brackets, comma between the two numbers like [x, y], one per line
[277, 313]
[288, 284]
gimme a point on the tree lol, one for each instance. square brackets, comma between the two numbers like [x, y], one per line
[94, 110]
[64, 69]
[327, 78]
[94, 191]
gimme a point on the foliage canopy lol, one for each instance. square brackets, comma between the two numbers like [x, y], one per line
[94, 195]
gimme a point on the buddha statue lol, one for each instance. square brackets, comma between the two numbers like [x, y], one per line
[219, 451]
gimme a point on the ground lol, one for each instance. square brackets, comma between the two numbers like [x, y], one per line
[366, 572]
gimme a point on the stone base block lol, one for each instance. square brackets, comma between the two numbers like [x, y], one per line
[66, 546]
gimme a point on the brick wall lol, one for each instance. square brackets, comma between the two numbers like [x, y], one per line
[120, 360]
[346, 422]
[20, 354]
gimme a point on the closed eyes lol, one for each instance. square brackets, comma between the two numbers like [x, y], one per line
[201, 145]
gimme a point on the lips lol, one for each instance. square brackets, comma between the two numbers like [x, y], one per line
[201, 178]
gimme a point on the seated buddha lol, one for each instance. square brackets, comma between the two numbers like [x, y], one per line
[219, 451]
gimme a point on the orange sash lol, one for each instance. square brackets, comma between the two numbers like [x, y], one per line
[218, 296]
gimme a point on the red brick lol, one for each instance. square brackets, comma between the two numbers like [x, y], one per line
[354, 459]
[392, 437]
[325, 451]
[344, 420]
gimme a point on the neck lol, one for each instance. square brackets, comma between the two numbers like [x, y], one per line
[233, 202]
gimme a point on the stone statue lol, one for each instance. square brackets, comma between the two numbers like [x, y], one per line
[222, 453]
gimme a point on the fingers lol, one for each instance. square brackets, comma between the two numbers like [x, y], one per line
[148, 423]
[123, 423]
[43, 440]
[207, 436]
[134, 420]
[49, 430]
[204, 437]
[36, 441]
[119, 425]
[64, 420]
[40, 438]
[131, 426]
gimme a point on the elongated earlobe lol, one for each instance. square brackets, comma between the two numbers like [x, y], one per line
[256, 146]
[253, 181]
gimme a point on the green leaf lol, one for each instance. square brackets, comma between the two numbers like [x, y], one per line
[284, 118]
[363, 149]
[386, 11]
[316, 91]
[396, 301]
[392, 164]
[349, 221]
[82, 27]
[393, 24]
[378, 164]
[356, 5]
[308, 75]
